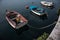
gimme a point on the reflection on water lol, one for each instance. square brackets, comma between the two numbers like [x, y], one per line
[21, 30]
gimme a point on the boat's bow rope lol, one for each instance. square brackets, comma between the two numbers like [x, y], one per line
[42, 27]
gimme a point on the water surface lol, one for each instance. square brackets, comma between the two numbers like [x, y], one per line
[6, 32]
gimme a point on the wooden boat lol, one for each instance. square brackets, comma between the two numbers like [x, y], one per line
[46, 3]
[15, 19]
[37, 11]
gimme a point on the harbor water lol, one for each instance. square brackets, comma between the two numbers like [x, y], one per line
[34, 22]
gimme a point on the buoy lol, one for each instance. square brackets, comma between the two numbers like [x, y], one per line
[27, 7]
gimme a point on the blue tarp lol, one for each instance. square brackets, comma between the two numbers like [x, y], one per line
[33, 7]
[40, 10]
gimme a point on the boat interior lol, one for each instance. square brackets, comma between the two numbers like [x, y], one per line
[39, 10]
[14, 17]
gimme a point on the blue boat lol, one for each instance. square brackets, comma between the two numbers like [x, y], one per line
[37, 11]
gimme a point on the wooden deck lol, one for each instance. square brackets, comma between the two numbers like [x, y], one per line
[55, 34]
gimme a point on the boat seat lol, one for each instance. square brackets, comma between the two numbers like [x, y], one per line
[16, 21]
[13, 18]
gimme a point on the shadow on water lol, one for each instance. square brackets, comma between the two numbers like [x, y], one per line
[51, 7]
[21, 30]
[42, 17]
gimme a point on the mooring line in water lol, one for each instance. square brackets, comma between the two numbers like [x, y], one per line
[43, 27]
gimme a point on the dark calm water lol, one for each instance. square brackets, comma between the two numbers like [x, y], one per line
[6, 31]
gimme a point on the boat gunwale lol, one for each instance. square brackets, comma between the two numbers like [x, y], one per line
[26, 21]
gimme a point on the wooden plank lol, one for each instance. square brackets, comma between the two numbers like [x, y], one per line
[55, 34]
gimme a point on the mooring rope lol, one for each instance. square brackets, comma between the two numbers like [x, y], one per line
[42, 27]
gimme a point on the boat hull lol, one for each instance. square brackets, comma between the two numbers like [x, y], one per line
[38, 13]
[13, 24]
[48, 4]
